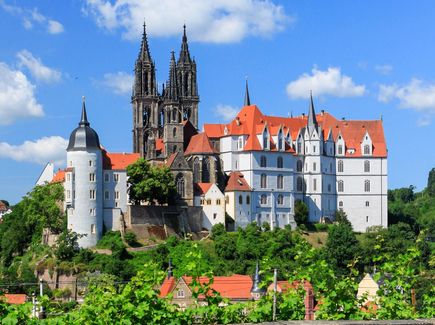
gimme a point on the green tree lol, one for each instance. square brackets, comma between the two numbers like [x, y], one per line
[67, 245]
[341, 217]
[431, 182]
[342, 247]
[301, 212]
[153, 184]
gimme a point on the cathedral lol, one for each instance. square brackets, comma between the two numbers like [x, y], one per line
[252, 169]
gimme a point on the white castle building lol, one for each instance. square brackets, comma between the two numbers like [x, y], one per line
[252, 169]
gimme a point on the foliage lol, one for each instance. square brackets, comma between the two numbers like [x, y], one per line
[67, 245]
[153, 184]
[110, 238]
[301, 212]
[431, 182]
[341, 218]
[342, 247]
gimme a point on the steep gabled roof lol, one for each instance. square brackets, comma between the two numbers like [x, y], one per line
[202, 188]
[200, 143]
[237, 182]
[59, 176]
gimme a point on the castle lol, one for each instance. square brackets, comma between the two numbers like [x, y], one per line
[252, 169]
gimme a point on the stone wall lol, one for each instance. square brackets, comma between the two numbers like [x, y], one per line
[161, 221]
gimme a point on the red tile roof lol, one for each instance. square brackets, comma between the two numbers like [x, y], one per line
[232, 287]
[199, 143]
[237, 182]
[15, 299]
[118, 161]
[59, 176]
[250, 121]
[202, 188]
[171, 159]
[283, 286]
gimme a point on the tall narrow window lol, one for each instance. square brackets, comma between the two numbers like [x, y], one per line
[340, 204]
[92, 177]
[314, 166]
[367, 203]
[299, 148]
[279, 162]
[263, 161]
[280, 199]
[366, 186]
[116, 177]
[265, 140]
[92, 194]
[248, 199]
[340, 186]
[174, 132]
[340, 166]
[280, 182]
[299, 165]
[367, 166]
[263, 181]
[106, 195]
[340, 149]
[206, 170]
[299, 184]
[240, 199]
[366, 149]
[314, 184]
[180, 185]
[196, 171]
[116, 195]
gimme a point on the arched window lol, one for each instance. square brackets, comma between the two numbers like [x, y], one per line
[340, 204]
[263, 199]
[299, 165]
[280, 199]
[366, 186]
[248, 199]
[366, 149]
[340, 166]
[280, 140]
[280, 181]
[240, 199]
[196, 174]
[340, 186]
[180, 185]
[206, 170]
[174, 132]
[279, 162]
[263, 161]
[367, 166]
[299, 184]
[263, 181]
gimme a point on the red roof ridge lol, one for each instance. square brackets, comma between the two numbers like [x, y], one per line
[200, 143]
[237, 182]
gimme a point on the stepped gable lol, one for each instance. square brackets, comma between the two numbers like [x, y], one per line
[237, 182]
[200, 143]
[118, 161]
[202, 188]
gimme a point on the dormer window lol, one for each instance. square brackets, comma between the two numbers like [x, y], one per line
[240, 143]
[366, 149]
[280, 140]
[266, 140]
[340, 149]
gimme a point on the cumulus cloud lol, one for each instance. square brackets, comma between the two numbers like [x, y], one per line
[416, 95]
[40, 151]
[17, 96]
[225, 112]
[37, 69]
[218, 21]
[32, 17]
[384, 69]
[120, 82]
[330, 82]
[54, 27]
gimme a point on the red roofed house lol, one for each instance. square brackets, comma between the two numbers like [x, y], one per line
[14, 298]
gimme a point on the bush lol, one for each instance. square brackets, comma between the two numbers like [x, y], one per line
[109, 239]
[131, 239]
[321, 226]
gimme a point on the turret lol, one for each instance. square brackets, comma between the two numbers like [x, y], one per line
[84, 184]
[257, 291]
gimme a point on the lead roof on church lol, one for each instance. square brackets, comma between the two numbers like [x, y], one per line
[83, 137]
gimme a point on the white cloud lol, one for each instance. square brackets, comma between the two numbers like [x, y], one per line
[218, 21]
[226, 112]
[416, 95]
[385, 69]
[54, 27]
[120, 82]
[329, 82]
[40, 151]
[37, 69]
[30, 17]
[17, 97]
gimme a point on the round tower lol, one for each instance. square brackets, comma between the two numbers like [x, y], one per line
[85, 165]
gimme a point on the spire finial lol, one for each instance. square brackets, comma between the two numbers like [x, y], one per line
[312, 121]
[84, 119]
[256, 289]
[247, 99]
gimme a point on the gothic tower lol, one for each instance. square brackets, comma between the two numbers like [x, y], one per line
[188, 88]
[173, 137]
[145, 100]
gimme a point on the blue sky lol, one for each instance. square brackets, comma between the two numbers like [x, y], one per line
[362, 59]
